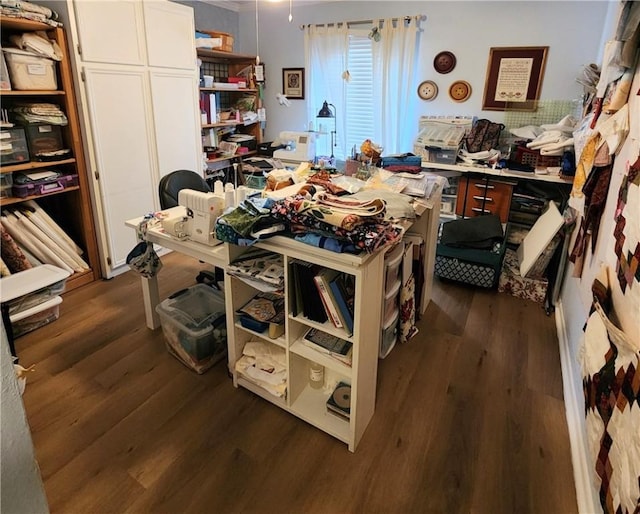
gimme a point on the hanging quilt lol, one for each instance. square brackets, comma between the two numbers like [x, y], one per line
[611, 384]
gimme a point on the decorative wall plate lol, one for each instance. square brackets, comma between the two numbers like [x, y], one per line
[460, 91]
[444, 62]
[428, 90]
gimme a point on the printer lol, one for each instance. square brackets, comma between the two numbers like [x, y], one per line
[298, 147]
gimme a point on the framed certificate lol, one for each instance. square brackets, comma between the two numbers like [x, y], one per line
[514, 78]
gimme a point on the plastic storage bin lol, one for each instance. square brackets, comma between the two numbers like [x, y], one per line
[6, 183]
[194, 326]
[29, 71]
[44, 186]
[391, 298]
[13, 146]
[35, 317]
[392, 261]
[43, 137]
[32, 297]
[389, 334]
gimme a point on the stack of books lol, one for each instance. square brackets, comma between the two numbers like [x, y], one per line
[322, 294]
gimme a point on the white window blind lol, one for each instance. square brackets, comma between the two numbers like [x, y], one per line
[359, 92]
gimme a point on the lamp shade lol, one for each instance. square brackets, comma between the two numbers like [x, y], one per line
[325, 112]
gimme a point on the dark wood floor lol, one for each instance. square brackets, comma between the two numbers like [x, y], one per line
[469, 418]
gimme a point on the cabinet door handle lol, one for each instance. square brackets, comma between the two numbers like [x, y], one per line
[483, 198]
[484, 186]
[483, 211]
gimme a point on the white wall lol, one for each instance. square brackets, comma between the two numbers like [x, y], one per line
[21, 489]
[571, 30]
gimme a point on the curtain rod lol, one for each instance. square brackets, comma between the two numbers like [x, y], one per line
[417, 17]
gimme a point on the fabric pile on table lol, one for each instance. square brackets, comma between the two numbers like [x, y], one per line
[353, 225]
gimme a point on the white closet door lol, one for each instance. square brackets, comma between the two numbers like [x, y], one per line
[170, 34]
[110, 31]
[176, 120]
[124, 152]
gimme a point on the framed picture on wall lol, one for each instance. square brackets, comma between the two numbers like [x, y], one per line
[514, 78]
[293, 83]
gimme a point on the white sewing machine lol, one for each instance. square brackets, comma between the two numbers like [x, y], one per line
[299, 146]
[199, 222]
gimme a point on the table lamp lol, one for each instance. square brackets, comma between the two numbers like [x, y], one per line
[326, 112]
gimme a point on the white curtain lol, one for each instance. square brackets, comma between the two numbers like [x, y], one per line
[326, 49]
[394, 62]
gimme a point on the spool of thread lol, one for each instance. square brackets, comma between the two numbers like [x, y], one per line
[229, 199]
[218, 187]
[228, 187]
[241, 194]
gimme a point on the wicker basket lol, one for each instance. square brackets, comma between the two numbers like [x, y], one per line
[227, 39]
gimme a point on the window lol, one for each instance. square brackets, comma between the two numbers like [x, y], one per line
[375, 101]
[359, 101]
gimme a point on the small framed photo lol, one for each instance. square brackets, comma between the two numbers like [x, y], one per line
[293, 83]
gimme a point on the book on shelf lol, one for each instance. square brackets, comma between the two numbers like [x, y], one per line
[343, 295]
[322, 280]
[336, 347]
[312, 306]
[339, 401]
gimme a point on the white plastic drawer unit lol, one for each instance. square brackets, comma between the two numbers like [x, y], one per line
[32, 287]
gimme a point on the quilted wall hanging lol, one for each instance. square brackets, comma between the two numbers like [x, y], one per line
[611, 385]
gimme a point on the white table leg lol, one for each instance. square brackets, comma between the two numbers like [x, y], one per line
[151, 298]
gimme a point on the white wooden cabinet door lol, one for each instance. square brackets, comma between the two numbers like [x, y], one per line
[124, 154]
[110, 31]
[176, 119]
[170, 35]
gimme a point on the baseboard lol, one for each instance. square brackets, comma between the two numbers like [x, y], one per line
[574, 407]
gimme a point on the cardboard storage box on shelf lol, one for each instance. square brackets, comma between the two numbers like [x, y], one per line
[30, 72]
[227, 39]
[194, 326]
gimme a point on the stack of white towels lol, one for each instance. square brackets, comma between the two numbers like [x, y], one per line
[552, 139]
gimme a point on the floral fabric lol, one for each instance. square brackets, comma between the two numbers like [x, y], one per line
[12, 254]
[364, 228]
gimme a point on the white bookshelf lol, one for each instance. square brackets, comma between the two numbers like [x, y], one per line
[302, 401]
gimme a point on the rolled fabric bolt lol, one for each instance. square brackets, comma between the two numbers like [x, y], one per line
[218, 187]
[229, 199]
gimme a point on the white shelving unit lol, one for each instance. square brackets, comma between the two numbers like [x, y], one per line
[301, 400]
